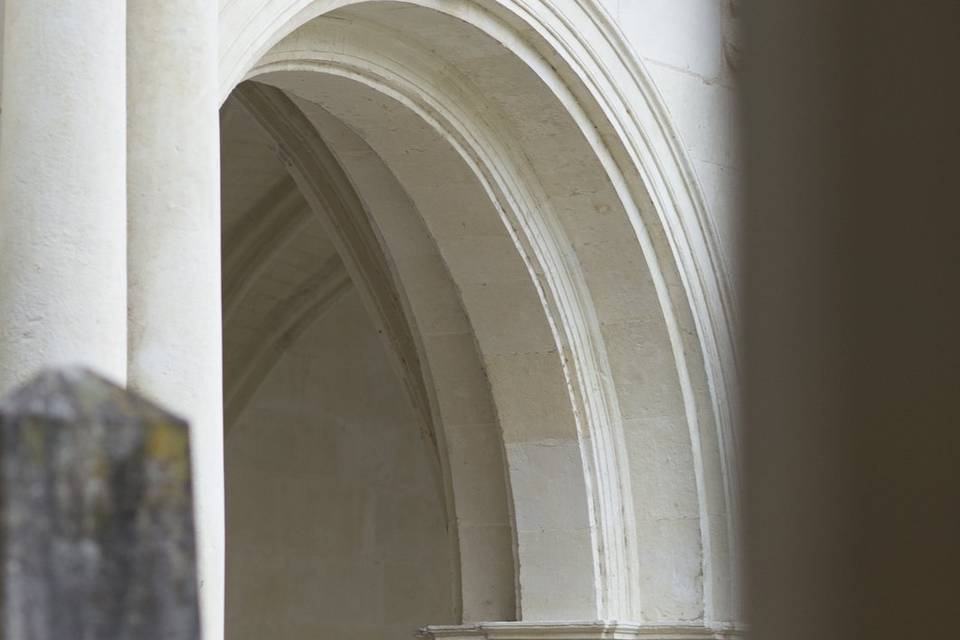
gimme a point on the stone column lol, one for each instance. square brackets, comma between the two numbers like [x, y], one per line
[62, 188]
[174, 247]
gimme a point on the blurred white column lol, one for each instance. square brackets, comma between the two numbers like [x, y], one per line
[62, 188]
[174, 248]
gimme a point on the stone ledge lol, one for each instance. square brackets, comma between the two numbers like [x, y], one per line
[597, 630]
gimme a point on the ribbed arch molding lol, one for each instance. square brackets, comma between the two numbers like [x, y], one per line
[565, 318]
[622, 274]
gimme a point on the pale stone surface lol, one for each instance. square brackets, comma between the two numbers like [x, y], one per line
[552, 185]
[505, 312]
[336, 524]
[494, 310]
[63, 189]
[173, 251]
[579, 631]
[686, 46]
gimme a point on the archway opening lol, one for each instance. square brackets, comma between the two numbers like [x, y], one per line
[337, 524]
[421, 180]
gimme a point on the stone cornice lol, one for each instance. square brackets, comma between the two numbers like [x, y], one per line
[597, 630]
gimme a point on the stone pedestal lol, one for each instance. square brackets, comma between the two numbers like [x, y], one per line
[97, 515]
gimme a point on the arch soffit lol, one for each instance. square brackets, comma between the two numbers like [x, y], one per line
[468, 428]
[578, 523]
[562, 295]
[294, 17]
[595, 55]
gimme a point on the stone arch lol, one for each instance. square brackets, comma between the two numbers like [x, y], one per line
[593, 339]
[460, 397]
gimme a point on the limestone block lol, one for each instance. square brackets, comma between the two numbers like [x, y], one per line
[594, 630]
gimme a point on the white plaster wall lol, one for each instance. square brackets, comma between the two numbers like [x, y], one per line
[335, 524]
[687, 47]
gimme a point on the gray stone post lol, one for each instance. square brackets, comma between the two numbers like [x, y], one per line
[97, 514]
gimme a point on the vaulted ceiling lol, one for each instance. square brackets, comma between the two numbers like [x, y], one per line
[280, 269]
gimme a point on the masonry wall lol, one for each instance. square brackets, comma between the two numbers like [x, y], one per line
[334, 517]
[691, 50]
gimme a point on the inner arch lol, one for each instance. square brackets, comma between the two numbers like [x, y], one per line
[563, 310]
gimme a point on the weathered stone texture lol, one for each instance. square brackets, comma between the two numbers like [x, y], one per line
[97, 514]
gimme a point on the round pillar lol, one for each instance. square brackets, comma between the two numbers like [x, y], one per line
[62, 189]
[174, 248]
